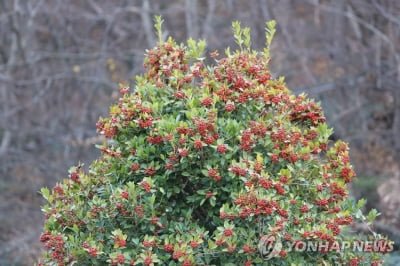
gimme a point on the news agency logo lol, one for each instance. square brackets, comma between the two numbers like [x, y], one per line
[271, 246]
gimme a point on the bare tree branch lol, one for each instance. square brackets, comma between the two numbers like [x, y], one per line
[192, 22]
[5, 142]
[147, 23]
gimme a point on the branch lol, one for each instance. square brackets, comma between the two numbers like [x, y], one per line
[147, 23]
[296, 51]
[363, 23]
[207, 27]
[191, 18]
[5, 142]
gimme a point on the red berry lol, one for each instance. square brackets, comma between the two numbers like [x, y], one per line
[194, 244]
[121, 258]
[123, 90]
[265, 183]
[207, 102]
[304, 208]
[274, 158]
[125, 194]
[248, 263]
[221, 148]
[247, 249]
[183, 152]
[212, 172]
[220, 242]
[231, 249]
[135, 167]
[198, 144]
[230, 107]
[209, 194]
[93, 252]
[322, 202]
[74, 177]
[228, 232]
[168, 137]
[154, 220]
[45, 237]
[188, 78]
[186, 263]
[121, 242]
[279, 189]
[275, 99]
[282, 253]
[293, 158]
[177, 254]
[214, 54]
[85, 245]
[146, 186]
[284, 179]
[287, 236]
[323, 146]
[168, 247]
[150, 171]
[209, 140]
[148, 260]
[179, 95]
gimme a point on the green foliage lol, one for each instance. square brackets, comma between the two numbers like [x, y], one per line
[158, 26]
[269, 34]
[203, 164]
[242, 36]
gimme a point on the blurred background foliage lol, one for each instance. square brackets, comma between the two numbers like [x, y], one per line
[61, 61]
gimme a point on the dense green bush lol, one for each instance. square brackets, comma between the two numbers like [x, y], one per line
[205, 164]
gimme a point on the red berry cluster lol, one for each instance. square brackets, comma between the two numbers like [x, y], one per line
[56, 246]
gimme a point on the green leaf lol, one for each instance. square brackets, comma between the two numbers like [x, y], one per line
[247, 37]
[270, 31]
[158, 26]
[204, 172]
[359, 215]
[152, 199]
[269, 34]
[45, 193]
[202, 201]
[237, 33]
[212, 201]
[75, 229]
[211, 244]
[372, 215]
[361, 203]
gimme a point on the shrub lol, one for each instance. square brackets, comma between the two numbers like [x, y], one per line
[206, 164]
